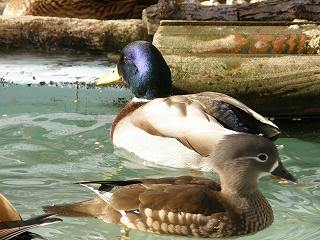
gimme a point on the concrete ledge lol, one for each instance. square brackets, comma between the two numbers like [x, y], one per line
[59, 34]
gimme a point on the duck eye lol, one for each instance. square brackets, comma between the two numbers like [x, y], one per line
[263, 157]
[125, 58]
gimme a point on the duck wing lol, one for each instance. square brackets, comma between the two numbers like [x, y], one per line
[98, 208]
[179, 201]
[235, 115]
[182, 118]
[11, 229]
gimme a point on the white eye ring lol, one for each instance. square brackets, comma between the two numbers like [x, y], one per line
[262, 157]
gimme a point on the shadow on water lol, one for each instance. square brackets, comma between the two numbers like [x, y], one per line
[306, 129]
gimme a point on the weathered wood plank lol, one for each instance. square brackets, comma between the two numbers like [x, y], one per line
[273, 67]
[56, 34]
[187, 37]
[93, 9]
[283, 85]
[271, 10]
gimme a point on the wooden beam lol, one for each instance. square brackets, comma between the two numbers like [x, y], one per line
[271, 10]
[274, 69]
[214, 37]
[275, 86]
[61, 34]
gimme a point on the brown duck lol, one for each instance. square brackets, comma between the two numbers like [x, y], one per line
[97, 9]
[13, 227]
[193, 206]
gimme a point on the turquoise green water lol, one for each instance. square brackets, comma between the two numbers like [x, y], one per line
[43, 150]
[51, 137]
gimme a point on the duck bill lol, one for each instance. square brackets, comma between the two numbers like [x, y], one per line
[281, 171]
[110, 78]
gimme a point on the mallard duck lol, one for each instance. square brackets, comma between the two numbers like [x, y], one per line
[193, 206]
[13, 227]
[98, 9]
[180, 131]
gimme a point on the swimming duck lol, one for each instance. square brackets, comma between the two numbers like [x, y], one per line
[97, 9]
[13, 227]
[194, 206]
[180, 131]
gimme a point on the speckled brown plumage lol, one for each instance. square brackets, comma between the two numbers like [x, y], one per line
[98, 9]
[191, 206]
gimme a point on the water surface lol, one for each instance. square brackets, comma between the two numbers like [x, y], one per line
[47, 144]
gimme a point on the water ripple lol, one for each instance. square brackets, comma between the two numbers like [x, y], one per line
[58, 124]
[42, 155]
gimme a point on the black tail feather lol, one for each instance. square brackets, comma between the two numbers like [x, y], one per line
[109, 185]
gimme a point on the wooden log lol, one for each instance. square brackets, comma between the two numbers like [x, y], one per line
[93, 9]
[61, 34]
[210, 37]
[273, 84]
[271, 10]
[286, 85]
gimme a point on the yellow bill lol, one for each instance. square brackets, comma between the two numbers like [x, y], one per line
[110, 78]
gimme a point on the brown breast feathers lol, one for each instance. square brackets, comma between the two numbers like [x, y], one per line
[129, 108]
